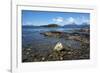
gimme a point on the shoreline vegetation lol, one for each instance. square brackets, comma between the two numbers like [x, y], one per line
[59, 52]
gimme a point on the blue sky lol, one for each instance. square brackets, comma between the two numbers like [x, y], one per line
[38, 18]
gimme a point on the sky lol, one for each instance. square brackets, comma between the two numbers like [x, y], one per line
[38, 18]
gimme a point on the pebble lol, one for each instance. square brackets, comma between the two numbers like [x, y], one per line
[43, 58]
[27, 53]
[28, 49]
[69, 52]
[61, 58]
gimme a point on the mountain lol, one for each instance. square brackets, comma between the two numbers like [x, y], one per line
[76, 26]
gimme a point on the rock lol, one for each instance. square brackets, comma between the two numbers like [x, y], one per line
[75, 38]
[43, 58]
[52, 33]
[29, 49]
[58, 47]
[61, 58]
[69, 52]
[47, 34]
[27, 53]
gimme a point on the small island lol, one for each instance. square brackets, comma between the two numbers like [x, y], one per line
[50, 25]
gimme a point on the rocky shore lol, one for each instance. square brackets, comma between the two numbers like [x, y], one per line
[65, 53]
[79, 35]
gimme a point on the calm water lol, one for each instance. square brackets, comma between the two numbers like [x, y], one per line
[31, 38]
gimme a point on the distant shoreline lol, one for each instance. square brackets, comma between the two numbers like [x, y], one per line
[57, 26]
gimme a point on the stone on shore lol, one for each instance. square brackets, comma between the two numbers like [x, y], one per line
[58, 47]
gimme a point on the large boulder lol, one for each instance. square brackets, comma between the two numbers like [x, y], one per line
[58, 47]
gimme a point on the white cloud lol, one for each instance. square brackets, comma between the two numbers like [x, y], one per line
[58, 19]
[70, 20]
[78, 21]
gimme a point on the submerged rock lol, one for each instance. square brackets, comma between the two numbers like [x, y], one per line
[58, 47]
[52, 33]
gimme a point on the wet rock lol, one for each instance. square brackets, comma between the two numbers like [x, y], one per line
[47, 34]
[52, 33]
[75, 38]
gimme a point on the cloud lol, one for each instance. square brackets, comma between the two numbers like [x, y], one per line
[58, 19]
[70, 20]
[77, 20]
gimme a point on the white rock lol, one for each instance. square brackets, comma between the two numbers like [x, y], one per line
[58, 47]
